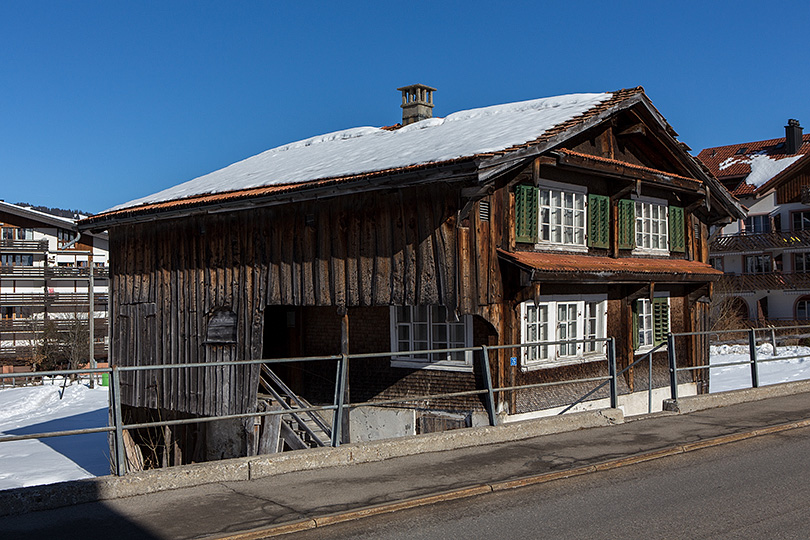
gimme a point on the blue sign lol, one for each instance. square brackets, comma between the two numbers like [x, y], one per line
[513, 361]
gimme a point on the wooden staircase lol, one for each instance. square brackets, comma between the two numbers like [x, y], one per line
[294, 430]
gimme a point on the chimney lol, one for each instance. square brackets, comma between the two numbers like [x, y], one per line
[793, 136]
[417, 103]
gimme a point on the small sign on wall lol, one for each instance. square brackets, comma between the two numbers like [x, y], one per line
[513, 361]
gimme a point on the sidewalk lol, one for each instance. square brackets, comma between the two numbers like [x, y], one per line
[306, 499]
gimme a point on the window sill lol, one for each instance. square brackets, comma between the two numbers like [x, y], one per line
[562, 362]
[650, 251]
[437, 366]
[647, 348]
[544, 246]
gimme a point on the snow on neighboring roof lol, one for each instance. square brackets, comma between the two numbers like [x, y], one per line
[37, 215]
[763, 168]
[367, 149]
[756, 162]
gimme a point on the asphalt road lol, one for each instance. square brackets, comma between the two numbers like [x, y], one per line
[757, 488]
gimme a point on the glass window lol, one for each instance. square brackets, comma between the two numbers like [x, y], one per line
[757, 224]
[758, 264]
[803, 308]
[652, 319]
[562, 217]
[716, 262]
[422, 328]
[651, 226]
[645, 323]
[801, 262]
[801, 221]
[572, 321]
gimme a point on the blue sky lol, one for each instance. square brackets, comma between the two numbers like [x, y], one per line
[103, 102]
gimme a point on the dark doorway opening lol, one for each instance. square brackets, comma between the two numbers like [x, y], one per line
[282, 339]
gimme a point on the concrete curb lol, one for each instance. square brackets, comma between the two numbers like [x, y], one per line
[473, 491]
[734, 397]
[46, 497]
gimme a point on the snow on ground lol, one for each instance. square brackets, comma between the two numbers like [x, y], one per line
[38, 409]
[726, 378]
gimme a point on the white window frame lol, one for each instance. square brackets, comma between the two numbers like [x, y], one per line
[645, 204]
[420, 361]
[563, 189]
[549, 356]
[645, 348]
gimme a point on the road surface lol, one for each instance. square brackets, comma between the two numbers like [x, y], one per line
[758, 488]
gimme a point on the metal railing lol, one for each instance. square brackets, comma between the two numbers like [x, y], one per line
[753, 361]
[338, 407]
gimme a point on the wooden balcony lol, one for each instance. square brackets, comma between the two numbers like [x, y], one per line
[26, 246]
[732, 283]
[759, 242]
[73, 272]
[52, 272]
[27, 326]
[22, 272]
[56, 299]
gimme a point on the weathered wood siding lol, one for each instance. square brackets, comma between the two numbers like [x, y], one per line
[168, 278]
[791, 191]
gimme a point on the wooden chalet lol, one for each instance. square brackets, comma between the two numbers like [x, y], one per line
[575, 217]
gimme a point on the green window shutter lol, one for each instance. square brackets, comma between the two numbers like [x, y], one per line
[526, 214]
[635, 324]
[660, 311]
[677, 231]
[598, 221]
[626, 227]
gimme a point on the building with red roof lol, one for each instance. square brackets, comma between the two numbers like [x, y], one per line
[766, 256]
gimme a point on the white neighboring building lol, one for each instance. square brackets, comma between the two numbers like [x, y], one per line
[44, 275]
[766, 257]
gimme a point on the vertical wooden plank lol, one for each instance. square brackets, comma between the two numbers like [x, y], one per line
[383, 278]
[398, 276]
[428, 287]
[353, 255]
[368, 246]
[285, 246]
[308, 262]
[339, 226]
[323, 288]
[411, 228]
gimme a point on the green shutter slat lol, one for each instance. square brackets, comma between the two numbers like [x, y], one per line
[626, 227]
[526, 214]
[660, 320]
[677, 231]
[598, 221]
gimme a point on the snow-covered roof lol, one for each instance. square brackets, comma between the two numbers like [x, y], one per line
[368, 149]
[756, 162]
[37, 215]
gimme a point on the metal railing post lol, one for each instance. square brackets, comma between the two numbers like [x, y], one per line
[773, 340]
[649, 385]
[614, 385]
[339, 399]
[118, 422]
[490, 399]
[752, 351]
[673, 367]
